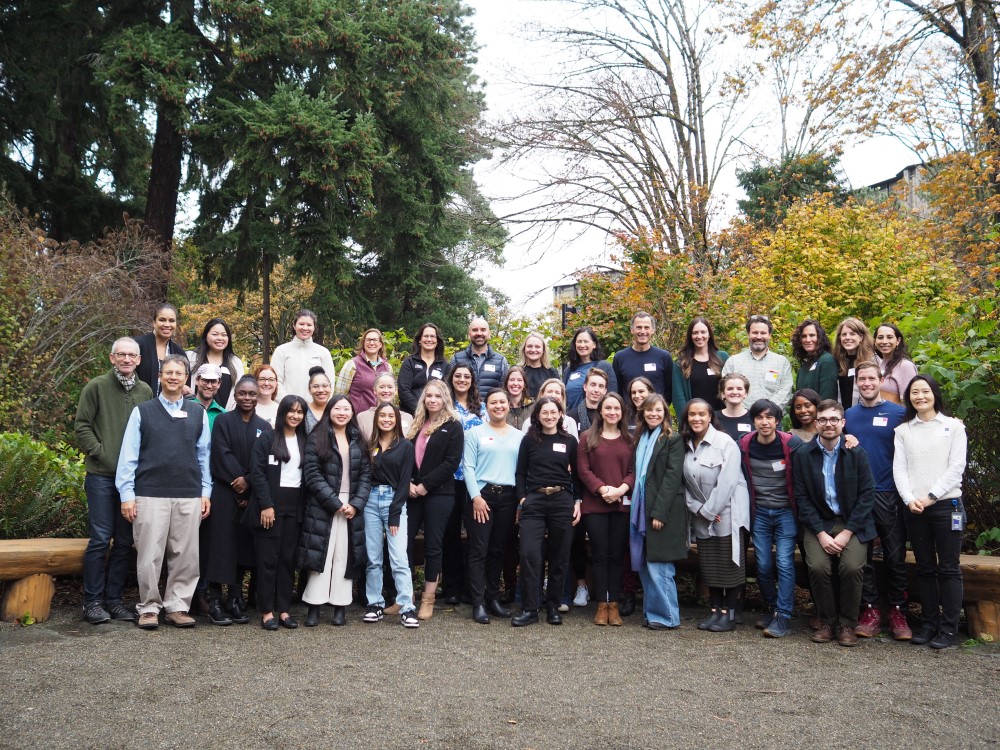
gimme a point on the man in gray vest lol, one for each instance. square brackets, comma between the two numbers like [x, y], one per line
[165, 483]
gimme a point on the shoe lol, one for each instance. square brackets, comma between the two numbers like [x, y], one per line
[582, 596]
[765, 621]
[149, 621]
[496, 608]
[393, 609]
[199, 605]
[899, 628]
[426, 610]
[312, 616]
[923, 635]
[452, 600]
[271, 623]
[614, 616]
[658, 626]
[374, 613]
[823, 634]
[869, 622]
[601, 618]
[408, 619]
[708, 621]
[553, 617]
[943, 640]
[217, 615]
[527, 617]
[339, 616]
[95, 613]
[479, 614]
[778, 627]
[627, 605]
[564, 607]
[847, 636]
[237, 611]
[289, 622]
[121, 612]
[179, 619]
[724, 623]
[815, 623]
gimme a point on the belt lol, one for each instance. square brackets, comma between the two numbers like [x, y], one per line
[548, 490]
[498, 489]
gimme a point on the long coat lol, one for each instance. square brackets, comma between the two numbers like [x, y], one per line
[665, 502]
[322, 481]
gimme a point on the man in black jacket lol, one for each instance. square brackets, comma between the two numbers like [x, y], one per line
[488, 364]
[835, 495]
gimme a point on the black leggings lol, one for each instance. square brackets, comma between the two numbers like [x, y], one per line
[432, 512]
[608, 534]
[276, 565]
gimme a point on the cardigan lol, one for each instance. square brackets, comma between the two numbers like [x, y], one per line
[148, 368]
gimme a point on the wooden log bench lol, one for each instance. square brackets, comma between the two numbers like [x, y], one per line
[30, 564]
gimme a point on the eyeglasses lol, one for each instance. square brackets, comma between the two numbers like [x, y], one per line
[373, 341]
[267, 380]
[126, 355]
[829, 420]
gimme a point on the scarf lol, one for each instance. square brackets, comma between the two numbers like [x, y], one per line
[637, 517]
[127, 383]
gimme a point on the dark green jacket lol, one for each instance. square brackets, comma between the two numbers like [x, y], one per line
[101, 416]
[820, 375]
[665, 502]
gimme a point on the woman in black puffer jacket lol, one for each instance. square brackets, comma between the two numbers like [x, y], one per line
[332, 545]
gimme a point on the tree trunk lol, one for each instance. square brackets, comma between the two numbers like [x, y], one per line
[164, 184]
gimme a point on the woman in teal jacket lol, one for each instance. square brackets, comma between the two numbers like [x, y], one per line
[817, 367]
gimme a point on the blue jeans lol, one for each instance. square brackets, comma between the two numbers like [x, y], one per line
[377, 523]
[659, 594]
[775, 527]
[104, 513]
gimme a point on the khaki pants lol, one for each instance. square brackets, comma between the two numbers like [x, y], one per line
[166, 525]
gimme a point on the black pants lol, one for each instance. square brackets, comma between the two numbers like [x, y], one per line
[453, 555]
[431, 512]
[487, 543]
[540, 514]
[891, 527]
[939, 570]
[608, 534]
[578, 554]
[276, 565]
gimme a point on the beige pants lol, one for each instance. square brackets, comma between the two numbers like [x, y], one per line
[170, 525]
[330, 586]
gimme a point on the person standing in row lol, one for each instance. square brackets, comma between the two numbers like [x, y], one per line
[295, 360]
[216, 348]
[267, 386]
[555, 388]
[101, 416]
[337, 475]
[585, 352]
[894, 360]
[594, 388]
[803, 414]
[734, 419]
[320, 389]
[644, 359]
[207, 379]
[638, 390]
[385, 392]
[486, 364]
[425, 362]
[156, 346]
[534, 358]
[164, 482]
[769, 374]
[276, 509]
[698, 367]
[853, 344]
[515, 383]
[817, 367]
[928, 464]
[489, 462]
[357, 377]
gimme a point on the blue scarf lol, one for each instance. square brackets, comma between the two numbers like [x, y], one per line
[637, 517]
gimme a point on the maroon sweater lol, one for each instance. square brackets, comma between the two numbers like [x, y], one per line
[610, 463]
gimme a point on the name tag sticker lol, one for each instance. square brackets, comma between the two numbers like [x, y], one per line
[880, 421]
[813, 366]
[489, 439]
[744, 428]
[626, 500]
[559, 447]
[180, 414]
[709, 371]
[649, 367]
[575, 376]
[771, 376]
[490, 368]
[778, 465]
[435, 373]
[272, 460]
[850, 373]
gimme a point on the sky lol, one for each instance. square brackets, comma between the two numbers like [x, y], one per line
[508, 55]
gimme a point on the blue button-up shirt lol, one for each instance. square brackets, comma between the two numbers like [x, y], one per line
[128, 459]
[830, 475]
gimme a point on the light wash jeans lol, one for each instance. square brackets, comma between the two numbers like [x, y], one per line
[377, 524]
[659, 594]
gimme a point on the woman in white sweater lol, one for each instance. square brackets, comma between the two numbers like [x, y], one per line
[927, 466]
[293, 360]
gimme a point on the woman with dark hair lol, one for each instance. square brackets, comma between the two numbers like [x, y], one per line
[465, 395]
[424, 362]
[555, 388]
[385, 514]
[515, 383]
[533, 356]
[734, 419]
[585, 352]
[357, 377]
[638, 389]
[438, 439]
[698, 366]
[337, 475]
[927, 467]
[805, 402]
[894, 361]
[274, 513]
[717, 498]
[545, 480]
[319, 390]
[216, 348]
[817, 367]
[155, 346]
[604, 464]
[853, 344]
[295, 360]
[267, 384]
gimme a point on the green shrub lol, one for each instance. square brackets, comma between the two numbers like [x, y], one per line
[41, 489]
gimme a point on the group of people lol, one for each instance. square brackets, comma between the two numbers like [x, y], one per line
[297, 469]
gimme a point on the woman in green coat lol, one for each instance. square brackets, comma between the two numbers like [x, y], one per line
[817, 367]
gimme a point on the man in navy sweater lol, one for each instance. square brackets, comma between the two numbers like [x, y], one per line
[643, 359]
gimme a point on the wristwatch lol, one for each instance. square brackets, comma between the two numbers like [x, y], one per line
[932, 497]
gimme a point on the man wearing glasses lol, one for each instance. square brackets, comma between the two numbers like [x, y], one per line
[835, 496]
[105, 405]
[770, 374]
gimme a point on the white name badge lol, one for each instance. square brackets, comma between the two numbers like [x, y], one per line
[258, 432]
[850, 373]
[575, 376]
[180, 414]
[813, 366]
[744, 428]
[709, 371]
[771, 376]
[649, 367]
[559, 447]
[880, 421]
[272, 460]
[778, 466]
[489, 438]
[435, 373]
[490, 368]
[626, 500]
